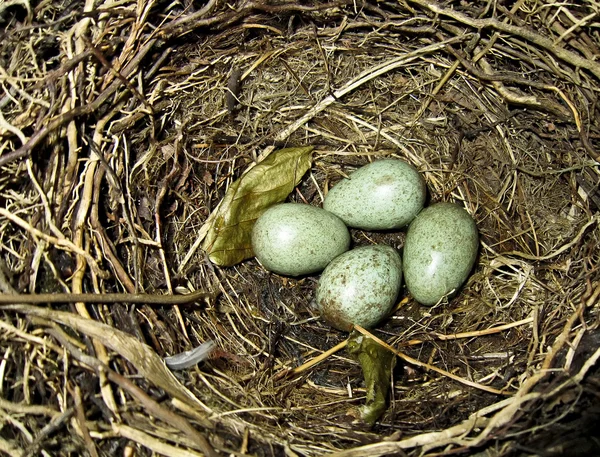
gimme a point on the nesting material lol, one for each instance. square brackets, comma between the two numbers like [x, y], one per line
[122, 127]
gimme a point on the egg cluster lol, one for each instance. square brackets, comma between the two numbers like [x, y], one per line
[360, 286]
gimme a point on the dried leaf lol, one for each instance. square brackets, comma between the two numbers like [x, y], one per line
[228, 240]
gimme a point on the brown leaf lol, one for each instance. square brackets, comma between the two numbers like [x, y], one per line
[228, 240]
[207, 178]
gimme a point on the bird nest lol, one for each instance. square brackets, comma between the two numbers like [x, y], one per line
[124, 124]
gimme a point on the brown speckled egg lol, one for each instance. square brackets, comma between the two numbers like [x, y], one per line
[439, 252]
[360, 287]
[293, 239]
[386, 194]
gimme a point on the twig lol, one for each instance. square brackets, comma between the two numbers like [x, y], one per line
[509, 95]
[55, 424]
[487, 331]
[575, 26]
[156, 445]
[22, 408]
[154, 408]
[84, 430]
[109, 253]
[364, 78]
[427, 366]
[107, 298]
[108, 247]
[523, 32]
[560, 250]
[193, 21]
[98, 54]
[61, 243]
[311, 363]
[63, 118]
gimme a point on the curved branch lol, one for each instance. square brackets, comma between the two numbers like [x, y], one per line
[522, 32]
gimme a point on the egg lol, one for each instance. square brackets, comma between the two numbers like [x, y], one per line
[360, 287]
[294, 239]
[386, 194]
[439, 252]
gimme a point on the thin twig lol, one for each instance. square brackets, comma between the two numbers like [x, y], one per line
[523, 32]
[152, 406]
[83, 110]
[148, 299]
[61, 243]
[427, 366]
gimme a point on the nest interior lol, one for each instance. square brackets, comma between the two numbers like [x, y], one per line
[123, 125]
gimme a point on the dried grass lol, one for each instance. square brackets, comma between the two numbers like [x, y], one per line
[122, 125]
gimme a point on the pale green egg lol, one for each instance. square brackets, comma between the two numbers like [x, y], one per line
[386, 194]
[439, 252]
[360, 287]
[293, 239]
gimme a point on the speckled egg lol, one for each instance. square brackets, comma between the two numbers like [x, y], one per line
[360, 287]
[294, 239]
[386, 194]
[439, 252]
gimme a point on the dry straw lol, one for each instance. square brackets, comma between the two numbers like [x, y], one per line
[122, 125]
